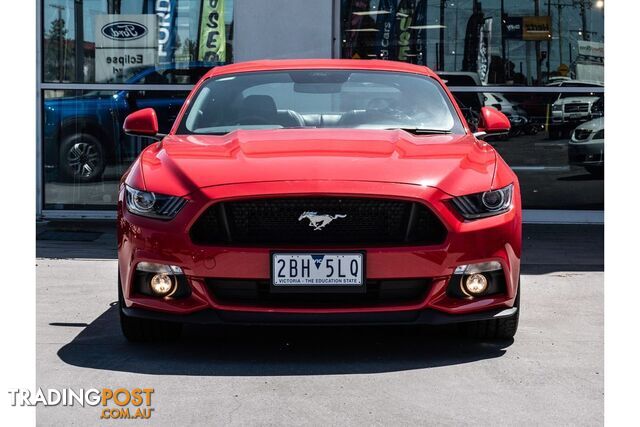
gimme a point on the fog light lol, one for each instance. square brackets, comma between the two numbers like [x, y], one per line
[475, 284]
[162, 284]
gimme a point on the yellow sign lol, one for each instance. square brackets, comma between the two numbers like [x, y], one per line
[536, 28]
[213, 42]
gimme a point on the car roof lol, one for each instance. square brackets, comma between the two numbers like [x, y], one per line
[314, 64]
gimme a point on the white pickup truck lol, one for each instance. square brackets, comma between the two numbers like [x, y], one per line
[570, 110]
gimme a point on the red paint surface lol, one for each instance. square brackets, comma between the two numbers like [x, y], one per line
[429, 169]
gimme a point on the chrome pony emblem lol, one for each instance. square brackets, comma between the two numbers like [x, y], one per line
[318, 222]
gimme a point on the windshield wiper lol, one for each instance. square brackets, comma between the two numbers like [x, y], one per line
[423, 131]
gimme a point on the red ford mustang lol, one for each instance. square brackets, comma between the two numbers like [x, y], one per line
[319, 191]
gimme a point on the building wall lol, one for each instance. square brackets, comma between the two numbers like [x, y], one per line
[283, 29]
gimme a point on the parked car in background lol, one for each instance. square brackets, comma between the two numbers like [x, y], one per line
[568, 110]
[519, 118]
[471, 102]
[586, 147]
[83, 131]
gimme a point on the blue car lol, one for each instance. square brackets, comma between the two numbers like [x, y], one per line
[83, 133]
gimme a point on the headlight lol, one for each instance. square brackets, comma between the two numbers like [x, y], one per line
[152, 205]
[556, 107]
[480, 205]
[599, 134]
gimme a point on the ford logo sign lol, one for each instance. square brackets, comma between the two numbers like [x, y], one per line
[124, 30]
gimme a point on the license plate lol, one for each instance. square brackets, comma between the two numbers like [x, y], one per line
[317, 269]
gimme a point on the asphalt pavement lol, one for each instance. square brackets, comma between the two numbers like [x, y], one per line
[551, 374]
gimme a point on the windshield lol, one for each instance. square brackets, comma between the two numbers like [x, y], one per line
[321, 99]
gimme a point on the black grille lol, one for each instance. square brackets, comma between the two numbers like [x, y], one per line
[278, 222]
[378, 292]
[576, 108]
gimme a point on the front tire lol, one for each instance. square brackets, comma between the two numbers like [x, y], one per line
[136, 329]
[505, 328]
[82, 158]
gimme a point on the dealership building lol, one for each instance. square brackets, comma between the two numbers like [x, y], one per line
[539, 62]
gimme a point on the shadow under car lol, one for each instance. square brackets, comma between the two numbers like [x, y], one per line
[275, 350]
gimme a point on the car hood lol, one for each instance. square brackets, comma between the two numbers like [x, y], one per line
[456, 164]
[573, 99]
[593, 125]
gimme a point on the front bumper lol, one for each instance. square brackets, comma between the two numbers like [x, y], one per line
[411, 317]
[565, 120]
[490, 239]
[586, 154]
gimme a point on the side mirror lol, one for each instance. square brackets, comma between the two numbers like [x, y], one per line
[142, 123]
[492, 122]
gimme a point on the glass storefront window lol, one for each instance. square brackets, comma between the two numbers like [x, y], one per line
[556, 145]
[114, 41]
[496, 42]
[133, 42]
[85, 150]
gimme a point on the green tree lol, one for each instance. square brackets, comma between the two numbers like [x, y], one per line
[187, 52]
[59, 53]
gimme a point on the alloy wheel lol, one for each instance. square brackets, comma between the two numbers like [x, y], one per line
[83, 159]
